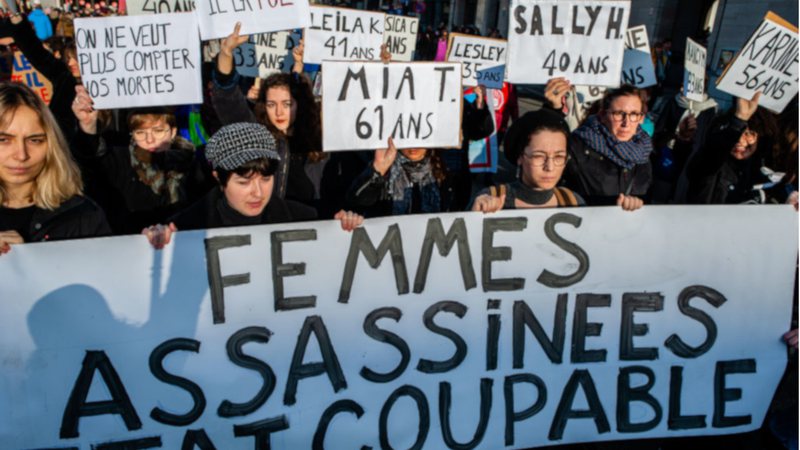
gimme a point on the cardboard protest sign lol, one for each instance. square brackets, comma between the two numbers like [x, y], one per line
[132, 61]
[516, 330]
[363, 104]
[217, 18]
[579, 40]
[340, 34]
[637, 64]
[139, 7]
[767, 63]
[694, 71]
[23, 72]
[492, 77]
[475, 53]
[263, 54]
[400, 37]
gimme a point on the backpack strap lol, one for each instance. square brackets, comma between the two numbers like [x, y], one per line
[565, 197]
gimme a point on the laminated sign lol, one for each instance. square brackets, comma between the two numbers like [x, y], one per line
[694, 71]
[767, 63]
[580, 40]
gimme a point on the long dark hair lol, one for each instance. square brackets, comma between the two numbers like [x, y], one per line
[307, 129]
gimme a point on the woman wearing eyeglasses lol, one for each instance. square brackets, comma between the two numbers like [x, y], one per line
[736, 163]
[151, 178]
[537, 143]
[610, 153]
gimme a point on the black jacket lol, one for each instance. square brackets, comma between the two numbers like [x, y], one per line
[131, 204]
[53, 69]
[715, 177]
[75, 218]
[598, 179]
[369, 195]
[230, 103]
[212, 211]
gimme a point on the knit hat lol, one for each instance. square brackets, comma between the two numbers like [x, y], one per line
[239, 143]
[519, 134]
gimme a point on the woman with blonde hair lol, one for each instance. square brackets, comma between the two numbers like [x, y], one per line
[40, 185]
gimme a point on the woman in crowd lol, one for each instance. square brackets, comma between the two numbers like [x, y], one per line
[148, 180]
[40, 185]
[610, 153]
[285, 105]
[736, 163]
[244, 158]
[537, 143]
[407, 181]
[63, 73]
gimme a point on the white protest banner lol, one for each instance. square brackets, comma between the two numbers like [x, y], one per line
[363, 104]
[400, 37]
[637, 64]
[694, 71]
[767, 63]
[139, 7]
[263, 54]
[132, 61]
[217, 18]
[341, 34]
[513, 330]
[580, 40]
[475, 53]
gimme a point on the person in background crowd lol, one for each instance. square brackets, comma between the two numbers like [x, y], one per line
[679, 132]
[40, 21]
[736, 163]
[286, 105]
[244, 158]
[149, 179]
[40, 185]
[63, 73]
[610, 153]
[537, 143]
[441, 45]
[408, 181]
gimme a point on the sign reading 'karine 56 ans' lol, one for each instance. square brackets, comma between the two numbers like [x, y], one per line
[580, 40]
[767, 63]
[363, 104]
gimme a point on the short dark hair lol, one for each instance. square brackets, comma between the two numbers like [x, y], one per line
[263, 166]
[522, 129]
[623, 91]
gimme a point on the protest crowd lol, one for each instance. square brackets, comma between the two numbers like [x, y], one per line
[255, 148]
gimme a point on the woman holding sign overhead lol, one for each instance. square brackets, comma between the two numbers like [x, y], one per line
[407, 181]
[285, 105]
[740, 161]
[40, 185]
[610, 153]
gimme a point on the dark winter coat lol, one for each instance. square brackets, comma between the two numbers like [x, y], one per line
[75, 218]
[212, 211]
